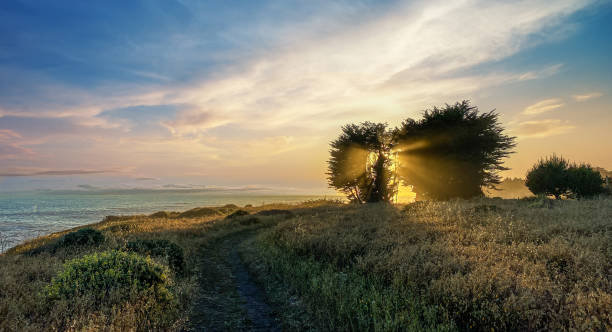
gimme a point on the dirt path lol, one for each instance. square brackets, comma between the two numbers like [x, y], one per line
[229, 299]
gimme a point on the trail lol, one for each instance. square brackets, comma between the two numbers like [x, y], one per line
[229, 298]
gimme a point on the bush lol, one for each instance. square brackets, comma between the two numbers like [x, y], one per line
[549, 177]
[584, 181]
[172, 252]
[110, 276]
[556, 176]
[112, 289]
[82, 237]
[237, 213]
[249, 221]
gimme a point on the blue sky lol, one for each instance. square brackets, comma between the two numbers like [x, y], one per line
[251, 92]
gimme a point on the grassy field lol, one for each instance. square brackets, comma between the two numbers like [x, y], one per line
[483, 264]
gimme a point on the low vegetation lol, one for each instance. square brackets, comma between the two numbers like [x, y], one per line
[480, 264]
[114, 278]
[558, 177]
[169, 251]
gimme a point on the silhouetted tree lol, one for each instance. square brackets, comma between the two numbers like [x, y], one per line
[584, 181]
[360, 163]
[452, 151]
[549, 176]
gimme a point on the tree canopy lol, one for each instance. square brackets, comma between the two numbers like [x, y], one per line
[360, 163]
[452, 151]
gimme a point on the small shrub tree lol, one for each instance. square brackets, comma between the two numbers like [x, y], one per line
[360, 163]
[171, 251]
[106, 282]
[584, 181]
[549, 177]
[82, 237]
[109, 274]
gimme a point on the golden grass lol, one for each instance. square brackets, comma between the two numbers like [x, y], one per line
[25, 270]
[488, 264]
[484, 264]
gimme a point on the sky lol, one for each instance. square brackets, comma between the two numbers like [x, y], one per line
[248, 94]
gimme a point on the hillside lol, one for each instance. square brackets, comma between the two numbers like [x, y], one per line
[482, 264]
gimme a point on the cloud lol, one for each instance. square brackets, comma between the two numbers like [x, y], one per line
[146, 179]
[54, 172]
[546, 72]
[190, 122]
[541, 128]
[543, 106]
[312, 76]
[587, 96]
[11, 146]
[405, 58]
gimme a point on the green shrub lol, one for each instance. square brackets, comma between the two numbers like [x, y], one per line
[111, 290]
[584, 181]
[549, 177]
[110, 276]
[236, 214]
[82, 237]
[249, 221]
[556, 176]
[172, 252]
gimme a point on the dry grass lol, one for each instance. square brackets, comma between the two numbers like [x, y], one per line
[488, 264]
[24, 274]
[26, 269]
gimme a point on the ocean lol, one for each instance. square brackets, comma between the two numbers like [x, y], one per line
[28, 215]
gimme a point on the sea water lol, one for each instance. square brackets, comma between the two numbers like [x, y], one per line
[28, 215]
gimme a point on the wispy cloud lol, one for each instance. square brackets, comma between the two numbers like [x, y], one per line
[11, 145]
[541, 128]
[403, 59]
[588, 96]
[54, 172]
[314, 76]
[545, 72]
[543, 106]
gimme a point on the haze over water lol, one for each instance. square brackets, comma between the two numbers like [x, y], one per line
[29, 214]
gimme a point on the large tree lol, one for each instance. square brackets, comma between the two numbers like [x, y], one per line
[360, 165]
[453, 151]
